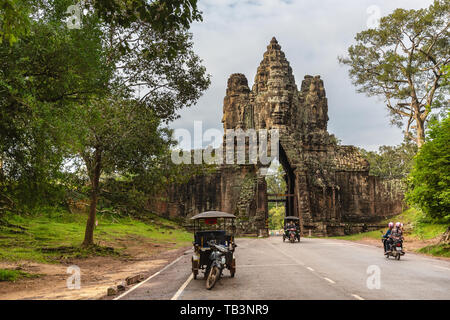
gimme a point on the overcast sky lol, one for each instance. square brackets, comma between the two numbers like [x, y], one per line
[233, 37]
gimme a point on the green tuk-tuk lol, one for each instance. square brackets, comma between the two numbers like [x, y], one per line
[291, 229]
[213, 245]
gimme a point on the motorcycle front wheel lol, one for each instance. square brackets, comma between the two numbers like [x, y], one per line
[213, 276]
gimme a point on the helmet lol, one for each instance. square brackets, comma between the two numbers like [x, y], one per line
[398, 224]
[391, 225]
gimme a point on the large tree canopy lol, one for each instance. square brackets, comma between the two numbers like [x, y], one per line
[95, 95]
[402, 60]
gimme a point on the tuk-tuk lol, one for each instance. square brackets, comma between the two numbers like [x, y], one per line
[213, 245]
[291, 229]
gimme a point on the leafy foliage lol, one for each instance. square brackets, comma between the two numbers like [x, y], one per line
[391, 162]
[276, 217]
[429, 181]
[276, 182]
[14, 19]
[42, 77]
[80, 107]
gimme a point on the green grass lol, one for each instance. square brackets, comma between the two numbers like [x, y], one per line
[14, 275]
[359, 236]
[438, 250]
[417, 226]
[54, 234]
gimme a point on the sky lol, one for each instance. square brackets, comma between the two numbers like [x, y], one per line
[233, 37]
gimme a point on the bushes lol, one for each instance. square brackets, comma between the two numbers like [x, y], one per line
[429, 180]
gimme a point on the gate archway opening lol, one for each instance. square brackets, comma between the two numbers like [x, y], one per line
[281, 191]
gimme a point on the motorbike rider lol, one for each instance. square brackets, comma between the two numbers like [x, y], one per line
[290, 225]
[397, 231]
[387, 236]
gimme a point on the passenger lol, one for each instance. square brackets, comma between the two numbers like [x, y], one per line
[397, 231]
[387, 237]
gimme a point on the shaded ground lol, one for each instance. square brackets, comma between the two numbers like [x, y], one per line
[37, 249]
[97, 273]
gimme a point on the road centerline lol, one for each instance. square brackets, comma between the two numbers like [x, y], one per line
[329, 280]
[183, 286]
[146, 280]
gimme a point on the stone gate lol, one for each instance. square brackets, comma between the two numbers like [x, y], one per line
[328, 185]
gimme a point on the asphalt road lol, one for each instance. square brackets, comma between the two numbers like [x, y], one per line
[322, 269]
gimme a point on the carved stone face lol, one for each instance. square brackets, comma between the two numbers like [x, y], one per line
[278, 114]
[279, 111]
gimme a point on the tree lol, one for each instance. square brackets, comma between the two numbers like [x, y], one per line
[275, 182]
[391, 162]
[429, 181]
[115, 136]
[401, 62]
[161, 15]
[43, 75]
[16, 16]
[276, 217]
[75, 94]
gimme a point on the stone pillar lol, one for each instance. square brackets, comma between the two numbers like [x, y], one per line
[301, 192]
[262, 210]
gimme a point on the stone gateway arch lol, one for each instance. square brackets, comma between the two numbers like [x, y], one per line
[328, 185]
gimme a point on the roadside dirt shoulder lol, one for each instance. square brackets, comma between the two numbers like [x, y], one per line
[97, 274]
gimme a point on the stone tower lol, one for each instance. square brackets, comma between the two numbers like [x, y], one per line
[328, 185]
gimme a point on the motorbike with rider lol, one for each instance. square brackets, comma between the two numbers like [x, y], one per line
[393, 241]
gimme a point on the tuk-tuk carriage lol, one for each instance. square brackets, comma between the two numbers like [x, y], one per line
[291, 229]
[213, 245]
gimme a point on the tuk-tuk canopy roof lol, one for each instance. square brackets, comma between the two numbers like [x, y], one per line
[213, 214]
[291, 218]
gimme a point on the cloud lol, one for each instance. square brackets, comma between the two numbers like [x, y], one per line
[233, 37]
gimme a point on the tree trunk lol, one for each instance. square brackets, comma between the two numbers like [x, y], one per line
[445, 236]
[95, 178]
[420, 127]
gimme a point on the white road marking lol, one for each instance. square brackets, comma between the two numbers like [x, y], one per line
[310, 269]
[184, 285]
[285, 254]
[445, 268]
[335, 243]
[152, 276]
[357, 297]
[266, 265]
[329, 280]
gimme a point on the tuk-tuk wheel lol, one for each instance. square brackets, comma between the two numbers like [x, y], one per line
[194, 268]
[233, 268]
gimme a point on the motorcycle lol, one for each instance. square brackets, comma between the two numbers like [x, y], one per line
[395, 248]
[220, 258]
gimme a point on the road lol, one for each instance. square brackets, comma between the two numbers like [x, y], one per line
[321, 269]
